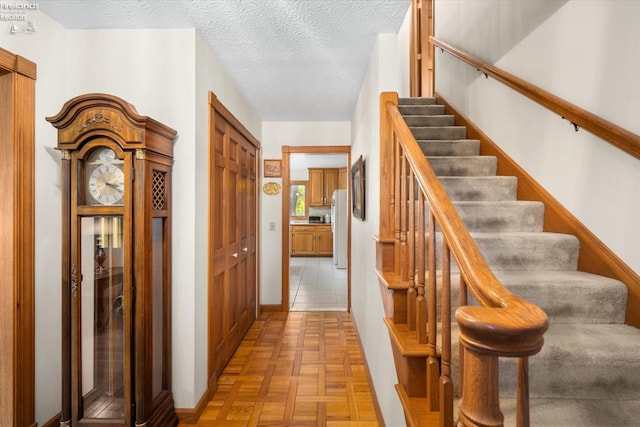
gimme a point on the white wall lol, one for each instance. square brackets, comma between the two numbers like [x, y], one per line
[166, 75]
[583, 51]
[274, 136]
[384, 74]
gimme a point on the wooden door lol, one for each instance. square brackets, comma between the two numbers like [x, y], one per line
[250, 249]
[17, 240]
[247, 226]
[225, 242]
[233, 236]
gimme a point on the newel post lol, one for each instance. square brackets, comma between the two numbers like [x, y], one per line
[387, 257]
[480, 403]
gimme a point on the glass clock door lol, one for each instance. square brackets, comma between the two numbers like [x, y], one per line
[103, 316]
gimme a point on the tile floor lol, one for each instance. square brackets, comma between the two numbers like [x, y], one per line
[316, 285]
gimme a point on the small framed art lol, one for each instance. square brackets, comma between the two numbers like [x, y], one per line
[358, 189]
[273, 168]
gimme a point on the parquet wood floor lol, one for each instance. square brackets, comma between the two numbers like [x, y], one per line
[301, 369]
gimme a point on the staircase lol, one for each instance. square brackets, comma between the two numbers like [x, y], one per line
[588, 372]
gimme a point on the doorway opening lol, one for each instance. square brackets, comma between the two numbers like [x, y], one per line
[316, 228]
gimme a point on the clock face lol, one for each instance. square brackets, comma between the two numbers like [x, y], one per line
[105, 183]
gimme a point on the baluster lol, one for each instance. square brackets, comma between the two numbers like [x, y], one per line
[464, 300]
[411, 239]
[522, 408]
[433, 371]
[446, 385]
[420, 314]
[396, 212]
[404, 250]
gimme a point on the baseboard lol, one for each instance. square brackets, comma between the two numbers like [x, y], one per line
[270, 308]
[594, 257]
[192, 415]
[53, 422]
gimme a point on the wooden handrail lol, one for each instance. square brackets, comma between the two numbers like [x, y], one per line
[502, 325]
[625, 140]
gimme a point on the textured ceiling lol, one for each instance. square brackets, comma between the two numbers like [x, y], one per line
[293, 60]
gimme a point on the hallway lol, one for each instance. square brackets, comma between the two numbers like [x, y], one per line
[297, 369]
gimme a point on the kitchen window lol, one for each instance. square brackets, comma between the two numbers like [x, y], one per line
[298, 206]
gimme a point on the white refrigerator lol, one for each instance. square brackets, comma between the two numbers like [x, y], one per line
[339, 221]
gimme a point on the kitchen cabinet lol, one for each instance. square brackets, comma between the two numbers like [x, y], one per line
[322, 184]
[303, 239]
[324, 240]
[343, 179]
[311, 240]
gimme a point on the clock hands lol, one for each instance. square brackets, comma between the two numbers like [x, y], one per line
[114, 186]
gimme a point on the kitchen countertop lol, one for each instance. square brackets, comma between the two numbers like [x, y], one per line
[301, 222]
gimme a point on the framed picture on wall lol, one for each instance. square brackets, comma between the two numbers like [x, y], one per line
[358, 189]
[273, 168]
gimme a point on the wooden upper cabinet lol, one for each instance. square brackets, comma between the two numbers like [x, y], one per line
[330, 184]
[316, 187]
[322, 184]
[343, 179]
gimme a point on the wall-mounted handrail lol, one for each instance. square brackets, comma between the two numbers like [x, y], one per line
[502, 325]
[614, 134]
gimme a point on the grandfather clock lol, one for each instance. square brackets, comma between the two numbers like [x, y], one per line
[116, 264]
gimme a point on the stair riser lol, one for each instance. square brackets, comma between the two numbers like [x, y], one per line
[594, 381]
[421, 110]
[443, 132]
[480, 189]
[416, 101]
[463, 147]
[577, 303]
[524, 251]
[430, 120]
[564, 298]
[494, 217]
[498, 216]
[463, 166]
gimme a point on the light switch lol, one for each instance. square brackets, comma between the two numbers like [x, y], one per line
[272, 226]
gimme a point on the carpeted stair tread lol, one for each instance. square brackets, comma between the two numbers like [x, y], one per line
[430, 120]
[480, 188]
[416, 101]
[576, 413]
[463, 165]
[421, 110]
[439, 132]
[582, 361]
[450, 147]
[569, 296]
